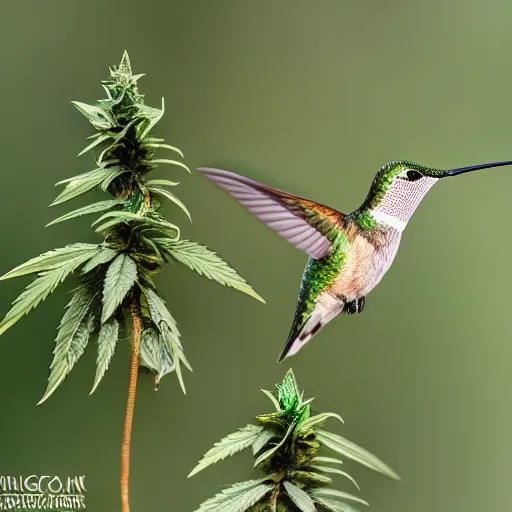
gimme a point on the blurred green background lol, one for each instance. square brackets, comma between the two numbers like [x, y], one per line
[311, 97]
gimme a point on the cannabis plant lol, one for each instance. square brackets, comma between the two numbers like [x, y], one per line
[286, 446]
[116, 277]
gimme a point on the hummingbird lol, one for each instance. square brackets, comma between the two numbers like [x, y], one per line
[348, 253]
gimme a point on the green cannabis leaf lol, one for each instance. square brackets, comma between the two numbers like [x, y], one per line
[116, 278]
[285, 445]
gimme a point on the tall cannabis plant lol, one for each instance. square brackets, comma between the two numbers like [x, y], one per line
[116, 276]
[286, 446]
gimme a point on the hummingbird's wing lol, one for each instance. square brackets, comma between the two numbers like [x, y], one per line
[304, 223]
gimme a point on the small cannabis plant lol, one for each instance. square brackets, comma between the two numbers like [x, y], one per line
[116, 276]
[285, 445]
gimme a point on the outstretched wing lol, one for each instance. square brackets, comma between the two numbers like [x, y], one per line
[307, 225]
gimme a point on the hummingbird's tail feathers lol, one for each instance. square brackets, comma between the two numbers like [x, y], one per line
[303, 330]
[305, 224]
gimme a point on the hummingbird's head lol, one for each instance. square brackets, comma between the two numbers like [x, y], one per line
[398, 188]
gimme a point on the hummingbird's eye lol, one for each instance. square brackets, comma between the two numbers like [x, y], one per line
[413, 175]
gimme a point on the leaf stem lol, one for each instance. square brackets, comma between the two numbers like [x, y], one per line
[130, 405]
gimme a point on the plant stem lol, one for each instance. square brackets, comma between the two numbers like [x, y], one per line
[130, 405]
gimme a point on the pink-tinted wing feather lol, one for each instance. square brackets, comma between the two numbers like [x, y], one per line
[305, 224]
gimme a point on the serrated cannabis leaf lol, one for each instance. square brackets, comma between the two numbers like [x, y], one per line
[39, 289]
[104, 255]
[169, 333]
[155, 355]
[100, 119]
[100, 206]
[52, 259]
[107, 341]
[102, 176]
[263, 438]
[119, 280]
[72, 337]
[206, 263]
[237, 498]
[353, 451]
[299, 497]
[227, 446]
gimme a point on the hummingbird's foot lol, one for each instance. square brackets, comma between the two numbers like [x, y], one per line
[354, 306]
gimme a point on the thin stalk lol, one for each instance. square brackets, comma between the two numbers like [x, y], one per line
[130, 405]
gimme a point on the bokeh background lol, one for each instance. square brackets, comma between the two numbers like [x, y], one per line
[311, 97]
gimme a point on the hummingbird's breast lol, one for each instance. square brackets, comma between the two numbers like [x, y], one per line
[368, 258]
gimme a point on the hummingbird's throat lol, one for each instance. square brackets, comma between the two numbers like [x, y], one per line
[400, 201]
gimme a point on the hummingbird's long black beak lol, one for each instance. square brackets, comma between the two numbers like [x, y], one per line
[471, 168]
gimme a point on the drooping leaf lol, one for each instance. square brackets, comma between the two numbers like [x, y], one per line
[39, 289]
[100, 206]
[353, 451]
[88, 181]
[107, 341]
[301, 498]
[157, 145]
[262, 439]
[237, 498]
[228, 446]
[327, 469]
[72, 337]
[53, 259]
[104, 255]
[154, 354]
[326, 492]
[169, 162]
[100, 119]
[121, 276]
[171, 197]
[168, 330]
[206, 263]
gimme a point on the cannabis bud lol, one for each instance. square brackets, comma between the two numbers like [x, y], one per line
[286, 445]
